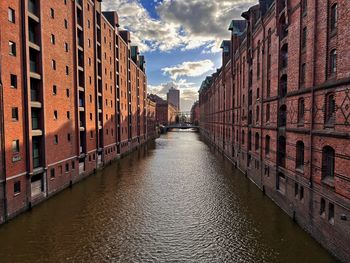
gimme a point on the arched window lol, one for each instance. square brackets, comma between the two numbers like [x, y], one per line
[334, 17]
[333, 61]
[301, 111]
[299, 162]
[328, 161]
[257, 139]
[267, 145]
[330, 109]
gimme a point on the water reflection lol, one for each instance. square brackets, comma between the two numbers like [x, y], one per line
[174, 201]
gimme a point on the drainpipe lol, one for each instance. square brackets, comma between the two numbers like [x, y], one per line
[262, 102]
[2, 137]
[313, 93]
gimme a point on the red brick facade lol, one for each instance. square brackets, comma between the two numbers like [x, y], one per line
[279, 109]
[80, 97]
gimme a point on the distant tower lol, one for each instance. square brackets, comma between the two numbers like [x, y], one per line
[173, 97]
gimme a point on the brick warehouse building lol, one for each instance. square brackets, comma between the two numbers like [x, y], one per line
[80, 89]
[279, 108]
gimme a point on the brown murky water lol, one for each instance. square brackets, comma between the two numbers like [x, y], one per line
[176, 201]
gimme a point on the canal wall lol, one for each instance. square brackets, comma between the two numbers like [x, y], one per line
[297, 198]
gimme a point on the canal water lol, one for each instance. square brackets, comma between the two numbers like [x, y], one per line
[173, 201]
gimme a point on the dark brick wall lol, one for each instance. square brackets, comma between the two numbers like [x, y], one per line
[255, 85]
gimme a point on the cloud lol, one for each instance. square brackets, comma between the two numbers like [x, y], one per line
[189, 69]
[181, 24]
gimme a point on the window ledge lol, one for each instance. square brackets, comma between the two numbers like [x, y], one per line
[328, 181]
[16, 194]
[300, 170]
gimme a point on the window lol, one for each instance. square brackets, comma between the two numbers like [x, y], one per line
[301, 111]
[11, 14]
[12, 48]
[68, 115]
[73, 165]
[267, 112]
[15, 146]
[91, 134]
[257, 113]
[334, 17]
[67, 167]
[303, 73]
[242, 137]
[331, 213]
[304, 7]
[299, 160]
[328, 162]
[68, 137]
[52, 173]
[17, 187]
[52, 13]
[281, 183]
[66, 48]
[13, 79]
[53, 64]
[267, 145]
[333, 62]
[91, 116]
[65, 24]
[322, 207]
[55, 140]
[55, 114]
[330, 109]
[67, 92]
[296, 190]
[304, 37]
[53, 39]
[257, 138]
[15, 114]
[67, 70]
[301, 196]
[54, 90]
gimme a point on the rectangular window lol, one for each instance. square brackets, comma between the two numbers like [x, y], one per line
[17, 187]
[11, 14]
[53, 39]
[65, 24]
[52, 173]
[55, 140]
[68, 137]
[68, 115]
[331, 213]
[296, 190]
[67, 92]
[67, 70]
[12, 48]
[73, 165]
[52, 13]
[322, 207]
[15, 114]
[66, 48]
[54, 90]
[301, 197]
[15, 146]
[13, 81]
[53, 63]
[67, 167]
[55, 115]
[304, 37]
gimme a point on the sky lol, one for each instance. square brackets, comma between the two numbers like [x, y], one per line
[179, 38]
